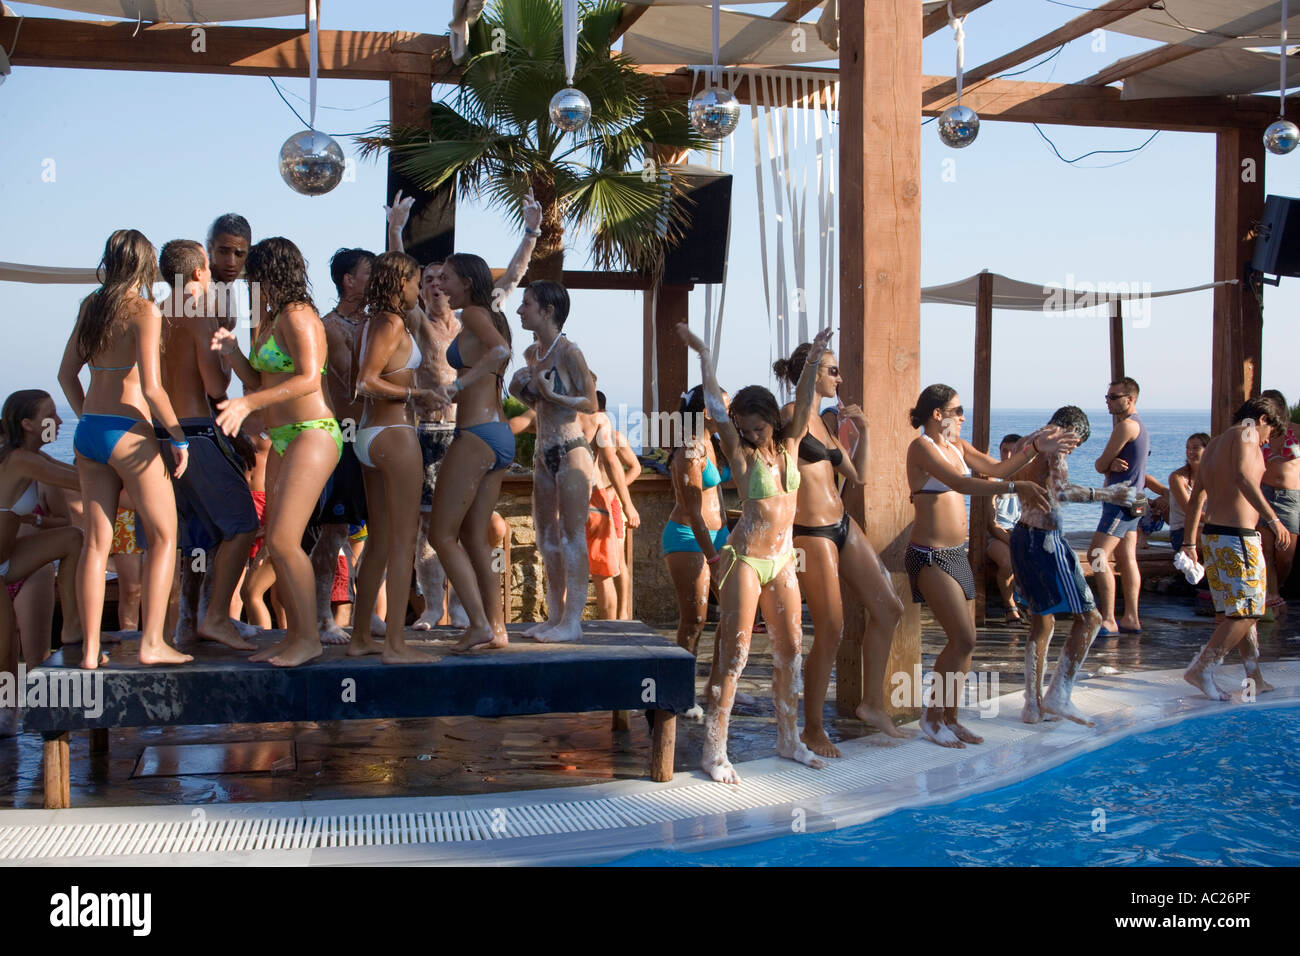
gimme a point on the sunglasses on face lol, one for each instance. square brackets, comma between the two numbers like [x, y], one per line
[831, 370]
[1114, 398]
[956, 412]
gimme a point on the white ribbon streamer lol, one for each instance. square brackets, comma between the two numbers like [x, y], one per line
[714, 77]
[1281, 86]
[959, 35]
[570, 11]
[313, 35]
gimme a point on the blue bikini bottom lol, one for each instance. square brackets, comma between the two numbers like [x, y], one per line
[499, 438]
[97, 435]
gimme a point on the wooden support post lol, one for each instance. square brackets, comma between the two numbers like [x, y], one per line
[629, 560]
[409, 96]
[663, 746]
[980, 401]
[1116, 340]
[505, 576]
[665, 348]
[880, 298]
[620, 720]
[1238, 318]
[99, 740]
[58, 787]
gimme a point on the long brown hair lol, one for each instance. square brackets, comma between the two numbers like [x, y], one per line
[129, 264]
[20, 406]
[387, 276]
[475, 271]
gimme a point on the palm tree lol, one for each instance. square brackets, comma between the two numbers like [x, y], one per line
[494, 135]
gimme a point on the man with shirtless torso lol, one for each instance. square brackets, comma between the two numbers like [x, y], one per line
[1281, 485]
[213, 503]
[1227, 489]
[344, 502]
[610, 508]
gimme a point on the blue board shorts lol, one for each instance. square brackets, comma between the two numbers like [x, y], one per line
[1115, 521]
[1048, 573]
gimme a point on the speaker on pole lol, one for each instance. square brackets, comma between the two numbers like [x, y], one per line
[1277, 244]
[701, 256]
[430, 233]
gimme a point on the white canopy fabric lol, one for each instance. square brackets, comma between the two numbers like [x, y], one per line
[46, 275]
[1221, 71]
[181, 11]
[673, 33]
[1035, 297]
[1236, 23]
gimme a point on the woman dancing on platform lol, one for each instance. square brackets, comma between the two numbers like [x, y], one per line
[282, 375]
[389, 452]
[558, 385]
[837, 552]
[756, 567]
[27, 422]
[469, 481]
[939, 464]
[117, 334]
[697, 528]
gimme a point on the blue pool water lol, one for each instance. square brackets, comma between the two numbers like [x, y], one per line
[1216, 790]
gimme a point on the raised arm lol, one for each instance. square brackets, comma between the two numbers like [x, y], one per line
[397, 214]
[926, 457]
[514, 274]
[854, 469]
[713, 402]
[1045, 441]
[805, 391]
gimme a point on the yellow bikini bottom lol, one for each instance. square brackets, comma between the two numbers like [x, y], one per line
[766, 568]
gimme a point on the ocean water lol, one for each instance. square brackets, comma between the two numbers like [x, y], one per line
[1218, 790]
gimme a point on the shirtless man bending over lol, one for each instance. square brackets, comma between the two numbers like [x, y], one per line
[1227, 490]
[213, 503]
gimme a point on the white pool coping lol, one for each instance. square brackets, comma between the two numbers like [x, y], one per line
[602, 822]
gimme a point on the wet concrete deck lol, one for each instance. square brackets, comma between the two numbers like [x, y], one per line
[464, 755]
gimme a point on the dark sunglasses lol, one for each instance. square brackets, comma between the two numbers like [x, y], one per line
[957, 412]
[832, 370]
[1114, 398]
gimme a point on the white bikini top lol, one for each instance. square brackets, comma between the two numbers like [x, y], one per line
[933, 486]
[412, 362]
[26, 502]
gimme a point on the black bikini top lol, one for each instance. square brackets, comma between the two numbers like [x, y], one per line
[811, 451]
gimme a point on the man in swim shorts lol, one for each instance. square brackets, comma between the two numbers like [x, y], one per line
[1227, 490]
[1282, 490]
[214, 507]
[609, 511]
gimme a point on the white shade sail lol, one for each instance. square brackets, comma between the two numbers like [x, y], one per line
[181, 11]
[1036, 297]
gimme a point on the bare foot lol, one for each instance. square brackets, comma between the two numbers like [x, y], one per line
[1261, 686]
[94, 665]
[964, 735]
[816, 740]
[695, 713]
[331, 633]
[272, 651]
[478, 637]
[938, 732]
[298, 652]
[162, 653]
[1030, 713]
[1203, 680]
[881, 721]
[362, 646]
[800, 754]
[539, 628]
[1061, 706]
[720, 769]
[403, 653]
[561, 633]
[222, 630]
[427, 621]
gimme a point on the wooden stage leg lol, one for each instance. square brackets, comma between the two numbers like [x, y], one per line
[99, 740]
[58, 793]
[663, 746]
[619, 721]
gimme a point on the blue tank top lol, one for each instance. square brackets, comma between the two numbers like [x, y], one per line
[1135, 453]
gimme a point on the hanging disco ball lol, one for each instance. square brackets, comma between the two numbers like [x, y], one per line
[1281, 137]
[311, 163]
[958, 126]
[570, 109]
[714, 113]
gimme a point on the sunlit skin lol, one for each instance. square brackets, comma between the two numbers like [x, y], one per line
[826, 568]
[1000, 554]
[1122, 406]
[1280, 472]
[227, 254]
[1181, 479]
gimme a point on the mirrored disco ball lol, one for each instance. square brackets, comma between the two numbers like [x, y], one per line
[311, 163]
[1281, 137]
[958, 126]
[570, 109]
[714, 114]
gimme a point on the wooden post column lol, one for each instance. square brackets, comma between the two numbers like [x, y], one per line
[980, 400]
[1117, 340]
[880, 298]
[664, 350]
[409, 96]
[1238, 319]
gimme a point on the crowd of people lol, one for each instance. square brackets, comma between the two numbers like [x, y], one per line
[378, 431]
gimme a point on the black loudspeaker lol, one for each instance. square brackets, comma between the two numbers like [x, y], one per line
[701, 256]
[1277, 246]
[430, 233]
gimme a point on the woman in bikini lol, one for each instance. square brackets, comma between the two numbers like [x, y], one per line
[756, 565]
[117, 334]
[558, 385]
[697, 528]
[27, 422]
[282, 376]
[837, 552]
[469, 481]
[939, 464]
[389, 452]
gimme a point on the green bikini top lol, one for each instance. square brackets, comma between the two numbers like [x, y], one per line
[763, 485]
[271, 358]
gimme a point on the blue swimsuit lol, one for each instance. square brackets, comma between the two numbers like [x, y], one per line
[497, 435]
[679, 537]
[97, 435]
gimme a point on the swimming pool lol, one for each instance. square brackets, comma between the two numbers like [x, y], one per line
[1222, 789]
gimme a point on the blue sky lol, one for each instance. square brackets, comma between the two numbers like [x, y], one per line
[166, 153]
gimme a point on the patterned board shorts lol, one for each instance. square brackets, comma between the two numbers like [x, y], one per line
[435, 439]
[951, 561]
[1234, 568]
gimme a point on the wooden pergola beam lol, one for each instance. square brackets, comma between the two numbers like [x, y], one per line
[1105, 14]
[795, 10]
[1140, 63]
[936, 20]
[627, 18]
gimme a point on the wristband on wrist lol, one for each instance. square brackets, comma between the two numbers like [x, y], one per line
[714, 559]
[183, 443]
[535, 233]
